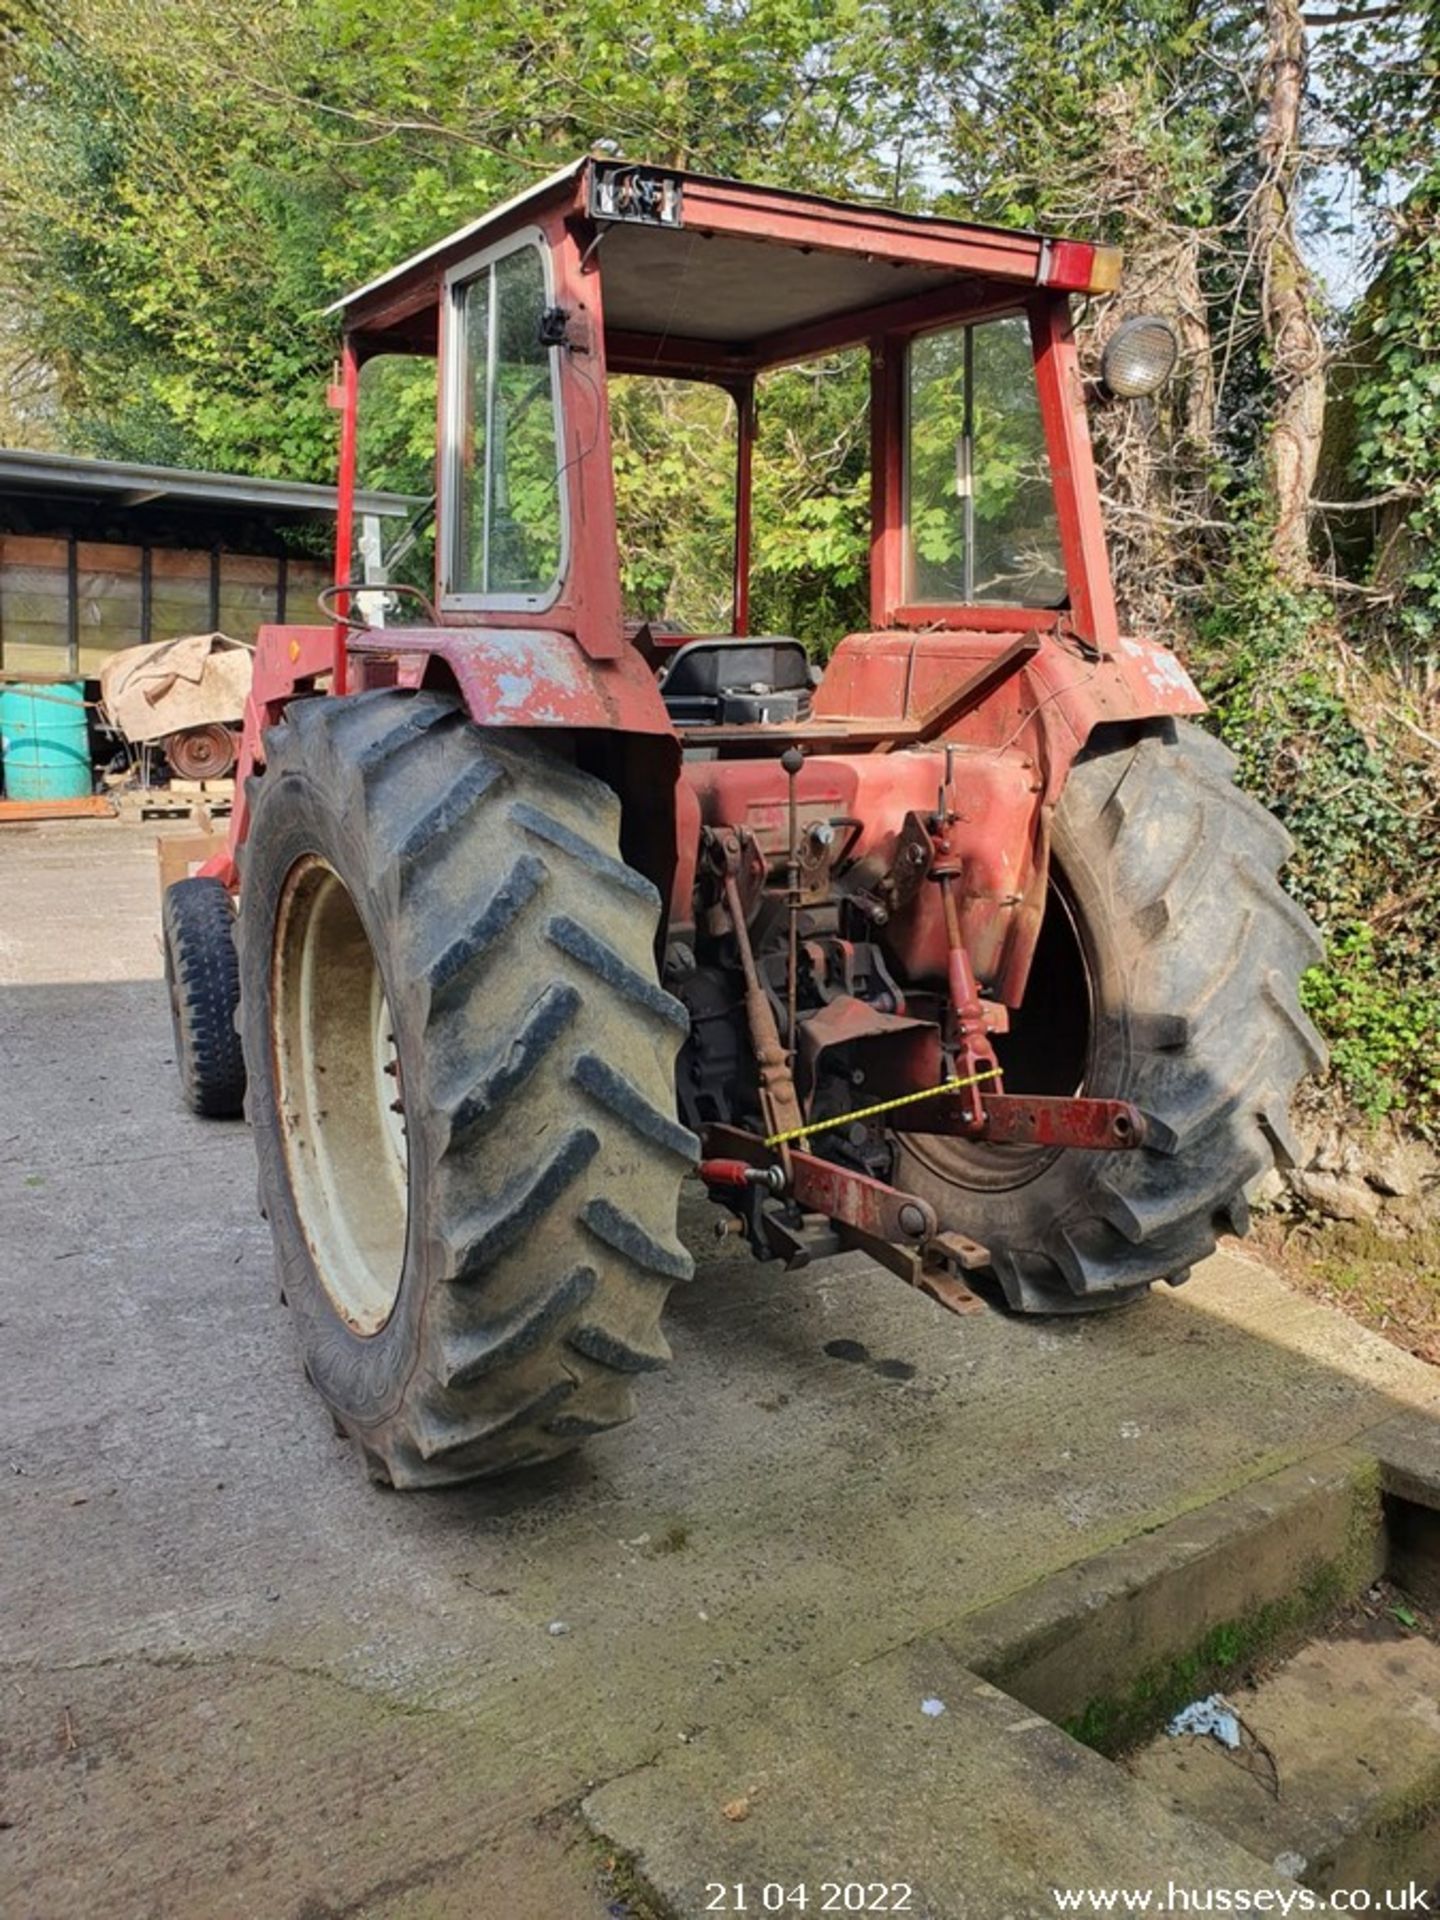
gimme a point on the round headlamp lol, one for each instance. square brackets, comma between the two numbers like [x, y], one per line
[1139, 357]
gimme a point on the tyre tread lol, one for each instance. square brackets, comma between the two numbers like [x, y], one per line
[542, 1298]
[1210, 949]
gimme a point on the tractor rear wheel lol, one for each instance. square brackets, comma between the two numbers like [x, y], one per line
[1166, 974]
[461, 1084]
[202, 980]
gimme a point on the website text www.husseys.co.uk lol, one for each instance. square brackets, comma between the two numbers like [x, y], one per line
[1173, 1899]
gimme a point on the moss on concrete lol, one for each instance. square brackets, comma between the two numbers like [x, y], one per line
[619, 1872]
[1113, 1723]
[1415, 1811]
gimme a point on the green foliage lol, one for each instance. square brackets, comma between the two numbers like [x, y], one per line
[1382, 1028]
[187, 188]
[1016, 546]
[1361, 804]
[396, 442]
[675, 448]
[1383, 80]
[1082, 114]
[1397, 403]
[176, 310]
[811, 540]
[674, 445]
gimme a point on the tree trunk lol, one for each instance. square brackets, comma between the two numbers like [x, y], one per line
[1157, 456]
[1287, 294]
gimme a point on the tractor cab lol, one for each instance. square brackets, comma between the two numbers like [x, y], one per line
[985, 516]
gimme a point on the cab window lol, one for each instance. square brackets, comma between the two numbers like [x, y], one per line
[506, 518]
[674, 450]
[981, 524]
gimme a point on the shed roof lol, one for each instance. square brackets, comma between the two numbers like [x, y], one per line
[124, 484]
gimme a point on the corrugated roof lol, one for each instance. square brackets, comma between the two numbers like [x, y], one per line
[131, 485]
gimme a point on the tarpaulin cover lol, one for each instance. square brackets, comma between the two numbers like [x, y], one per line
[152, 691]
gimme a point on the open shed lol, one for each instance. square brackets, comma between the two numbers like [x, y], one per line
[96, 555]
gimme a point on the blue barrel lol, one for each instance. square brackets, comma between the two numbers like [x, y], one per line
[45, 741]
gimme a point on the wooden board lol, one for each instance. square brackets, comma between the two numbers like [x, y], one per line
[90, 806]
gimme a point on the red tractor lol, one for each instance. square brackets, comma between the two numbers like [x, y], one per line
[965, 951]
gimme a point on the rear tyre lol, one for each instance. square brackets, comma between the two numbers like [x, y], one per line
[461, 1084]
[203, 982]
[1167, 975]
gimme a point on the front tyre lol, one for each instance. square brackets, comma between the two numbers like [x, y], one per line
[203, 984]
[1167, 974]
[461, 1079]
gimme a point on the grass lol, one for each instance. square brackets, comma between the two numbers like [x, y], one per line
[1391, 1286]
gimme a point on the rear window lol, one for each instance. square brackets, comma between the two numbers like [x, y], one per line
[980, 509]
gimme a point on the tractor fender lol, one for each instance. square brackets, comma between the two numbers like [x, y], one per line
[523, 677]
[526, 677]
[1138, 680]
[1047, 709]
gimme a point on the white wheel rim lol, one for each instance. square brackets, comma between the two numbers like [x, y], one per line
[338, 1095]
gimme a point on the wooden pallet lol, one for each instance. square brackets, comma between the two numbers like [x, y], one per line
[179, 854]
[199, 800]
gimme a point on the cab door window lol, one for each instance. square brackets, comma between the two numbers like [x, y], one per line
[507, 513]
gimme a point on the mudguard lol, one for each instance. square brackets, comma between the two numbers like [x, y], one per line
[512, 677]
[525, 677]
[1048, 709]
[1033, 725]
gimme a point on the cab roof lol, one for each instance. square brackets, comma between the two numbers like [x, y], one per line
[685, 256]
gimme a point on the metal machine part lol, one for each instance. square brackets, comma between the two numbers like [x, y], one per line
[202, 753]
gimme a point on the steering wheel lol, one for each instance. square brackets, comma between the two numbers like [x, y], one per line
[327, 594]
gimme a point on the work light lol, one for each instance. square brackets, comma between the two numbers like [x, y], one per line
[1139, 357]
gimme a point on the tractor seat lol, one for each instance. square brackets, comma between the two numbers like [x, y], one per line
[736, 680]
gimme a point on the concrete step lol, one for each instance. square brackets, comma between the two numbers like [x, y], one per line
[908, 1785]
[1340, 1783]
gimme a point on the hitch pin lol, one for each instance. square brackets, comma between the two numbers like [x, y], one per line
[739, 1173]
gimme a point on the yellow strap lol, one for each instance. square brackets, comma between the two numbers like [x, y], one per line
[881, 1106]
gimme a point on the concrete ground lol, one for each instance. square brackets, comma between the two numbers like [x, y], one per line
[236, 1679]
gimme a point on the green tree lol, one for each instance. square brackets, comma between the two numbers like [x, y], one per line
[187, 187]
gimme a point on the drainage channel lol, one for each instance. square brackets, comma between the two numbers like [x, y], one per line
[1310, 1602]
[1335, 1777]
